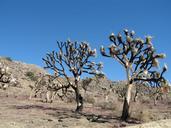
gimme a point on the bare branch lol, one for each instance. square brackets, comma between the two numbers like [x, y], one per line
[135, 55]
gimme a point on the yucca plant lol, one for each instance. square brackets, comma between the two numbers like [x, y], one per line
[139, 59]
[5, 76]
[72, 59]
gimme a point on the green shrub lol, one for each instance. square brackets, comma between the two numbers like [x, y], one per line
[7, 58]
[31, 76]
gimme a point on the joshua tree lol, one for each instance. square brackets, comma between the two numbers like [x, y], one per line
[5, 76]
[48, 87]
[73, 59]
[139, 59]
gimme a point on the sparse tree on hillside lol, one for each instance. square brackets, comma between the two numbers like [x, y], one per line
[158, 93]
[48, 87]
[139, 59]
[5, 76]
[72, 59]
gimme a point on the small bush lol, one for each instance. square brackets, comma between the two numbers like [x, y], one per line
[90, 99]
[86, 82]
[169, 94]
[146, 100]
[144, 116]
[140, 113]
[169, 103]
[7, 58]
[31, 76]
[107, 105]
[70, 97]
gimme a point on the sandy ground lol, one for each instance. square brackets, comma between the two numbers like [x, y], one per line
[19, 113]
[16, 111]
[155, 124]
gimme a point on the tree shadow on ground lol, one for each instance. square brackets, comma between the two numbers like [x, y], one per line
[62, 113]
[40, 107]
[99, 118]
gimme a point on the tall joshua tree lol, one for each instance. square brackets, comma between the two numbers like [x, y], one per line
[73, 58]
[139, 59]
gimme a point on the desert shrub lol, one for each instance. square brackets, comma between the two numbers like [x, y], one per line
[70, 97]
[140, 112]
[169, 94]
[31, 76]
[106, 105]
[89, 99]
[86, 82]
[6, 58]
[145, 100]
[70, 100]
[169, 103]
[142, 115]
[9, 59]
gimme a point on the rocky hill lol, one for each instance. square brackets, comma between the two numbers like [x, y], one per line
[22, 71]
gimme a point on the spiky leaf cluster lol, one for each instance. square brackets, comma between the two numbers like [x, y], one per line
[74, 57]
[137, 55]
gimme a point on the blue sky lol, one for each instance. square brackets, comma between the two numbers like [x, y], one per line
[30, 28]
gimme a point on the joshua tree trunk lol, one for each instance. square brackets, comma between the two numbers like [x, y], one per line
[126, 105]
[79, 99]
